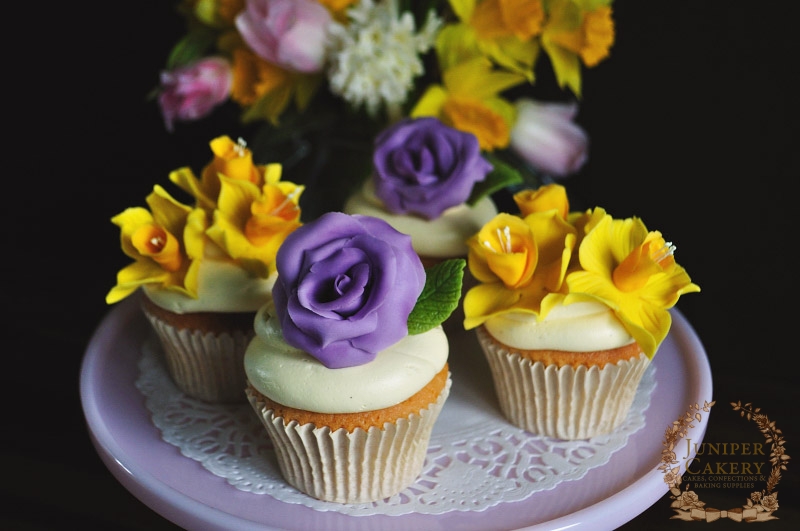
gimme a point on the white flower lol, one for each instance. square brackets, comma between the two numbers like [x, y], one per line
[376, 56]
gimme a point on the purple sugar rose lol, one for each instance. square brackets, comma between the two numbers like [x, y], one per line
[424, 167]
[346, 286]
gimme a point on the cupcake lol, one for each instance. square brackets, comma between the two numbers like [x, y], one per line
[429, 181]
[570, 309]
[204, 270]
[348, 371]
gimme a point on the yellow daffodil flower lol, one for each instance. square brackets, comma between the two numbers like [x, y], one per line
[577, 31]
[633, 271]
[503, 250]
[231, 159]
[166, 243]
[542, 199]
[263, 88]
[469, 101]
[505, 31]
[520, 263]
[251, 222]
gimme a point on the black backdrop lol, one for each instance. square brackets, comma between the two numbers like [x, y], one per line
[693, 124]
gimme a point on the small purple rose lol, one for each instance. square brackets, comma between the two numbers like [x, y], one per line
[346, 286]
[424, 167]
[192, 91]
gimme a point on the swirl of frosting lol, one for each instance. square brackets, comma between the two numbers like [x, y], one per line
[291, 377]
[443, 237]
[576, 327]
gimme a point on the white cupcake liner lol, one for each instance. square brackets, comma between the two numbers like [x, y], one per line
[563, 403]
[204, 365]
[351, 467]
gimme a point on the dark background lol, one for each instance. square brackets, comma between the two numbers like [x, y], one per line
[693, 123]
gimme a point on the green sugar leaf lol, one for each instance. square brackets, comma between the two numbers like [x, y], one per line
[439, 297]
[502, 176]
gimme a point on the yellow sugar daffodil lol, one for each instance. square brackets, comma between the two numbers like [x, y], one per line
[504, 31]
[251, 222]
[503, 251]
[583, 222]
[166, 243]
[577, 31]
[547, 197]
[469, 100]
[231, 159]
[520, 264]
[633, 271]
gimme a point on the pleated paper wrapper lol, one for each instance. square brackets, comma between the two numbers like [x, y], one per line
[562, 403]
[204, 365]
[351, 467]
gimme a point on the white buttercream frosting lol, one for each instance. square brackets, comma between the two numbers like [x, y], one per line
[292, 377]
[443, 237]
[576, 327]
[223, 286]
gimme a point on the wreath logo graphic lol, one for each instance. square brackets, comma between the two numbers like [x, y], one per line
[686, 504]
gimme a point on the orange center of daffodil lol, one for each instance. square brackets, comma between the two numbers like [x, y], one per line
[492, 19]
[270, 213]
[641, 264]
[593, 39]
[598, 31]
[508, 250]
[233, 160]
[474, 117]
[253, 78]
[155, 242]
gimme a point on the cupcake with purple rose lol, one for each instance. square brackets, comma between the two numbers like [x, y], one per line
[429, 181]
[348, 370]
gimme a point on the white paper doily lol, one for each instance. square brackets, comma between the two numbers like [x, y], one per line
[475, 459]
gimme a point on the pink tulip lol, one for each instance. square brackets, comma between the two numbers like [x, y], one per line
[287, 33]
[546, 136]
[191, 92]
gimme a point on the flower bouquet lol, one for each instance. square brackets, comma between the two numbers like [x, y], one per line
[318, 80]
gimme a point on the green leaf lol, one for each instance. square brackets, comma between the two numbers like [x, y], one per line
[439, 297]
[191, 47]
[502, 176]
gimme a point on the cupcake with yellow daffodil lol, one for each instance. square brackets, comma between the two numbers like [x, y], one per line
[204, 269]
[570, 309]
